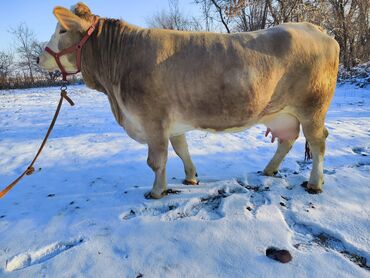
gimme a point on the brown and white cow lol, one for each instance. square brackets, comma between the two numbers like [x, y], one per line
[161, 83]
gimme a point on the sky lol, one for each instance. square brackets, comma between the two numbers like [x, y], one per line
[38, 16]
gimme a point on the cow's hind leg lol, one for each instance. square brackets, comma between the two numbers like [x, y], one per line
[157, 159]
[316, 136]
[180, 146]
[284, 146]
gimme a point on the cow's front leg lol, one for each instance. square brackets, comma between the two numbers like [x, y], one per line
[181, 148]
[157, 159]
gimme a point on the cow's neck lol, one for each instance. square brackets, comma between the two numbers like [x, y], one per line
[105, 55]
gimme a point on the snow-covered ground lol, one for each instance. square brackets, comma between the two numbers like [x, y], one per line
[83, 213]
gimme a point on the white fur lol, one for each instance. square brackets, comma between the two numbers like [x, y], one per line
[180, 128]
[317, 177]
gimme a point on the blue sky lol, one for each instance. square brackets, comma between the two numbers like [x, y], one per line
[38, 16]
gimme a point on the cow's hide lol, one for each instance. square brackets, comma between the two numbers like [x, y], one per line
[162, 83]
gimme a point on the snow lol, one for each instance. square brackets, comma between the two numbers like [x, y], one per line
[83, 212]
[358, 75]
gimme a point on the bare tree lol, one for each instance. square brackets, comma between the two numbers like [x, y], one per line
[238, 15]
[25, 42]
[362, 32]
[224, 18]
[6, 62]
[283, 10]
[206, 8]
[350, 26]
[174, 19]
[346, 20]
[251, 15]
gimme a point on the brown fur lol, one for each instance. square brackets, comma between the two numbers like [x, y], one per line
[83, 11]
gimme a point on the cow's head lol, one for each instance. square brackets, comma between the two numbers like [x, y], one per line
[72, 25]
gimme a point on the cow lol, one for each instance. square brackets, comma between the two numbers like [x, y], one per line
[162, 83]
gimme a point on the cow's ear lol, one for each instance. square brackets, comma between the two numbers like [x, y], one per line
[83, 11]
[69, 20]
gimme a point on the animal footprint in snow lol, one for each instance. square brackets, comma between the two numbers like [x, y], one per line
[149, 211]
[364, 151]
[329, 172]
[204, 208]
[39, 256]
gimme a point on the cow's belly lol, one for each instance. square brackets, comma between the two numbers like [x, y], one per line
[282, 125]
[179, 128]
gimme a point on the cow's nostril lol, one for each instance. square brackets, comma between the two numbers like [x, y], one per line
[37, 60]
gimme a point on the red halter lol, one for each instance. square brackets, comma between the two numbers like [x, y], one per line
[75, 48]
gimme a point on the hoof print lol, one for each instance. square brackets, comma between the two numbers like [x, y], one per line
[130, 215]
[171, 191]
[279, 255]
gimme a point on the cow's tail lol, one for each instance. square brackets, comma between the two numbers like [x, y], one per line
[307, 152]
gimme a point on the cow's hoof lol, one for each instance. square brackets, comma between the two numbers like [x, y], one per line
[310, 188]
[190, 182]
[152, 195]
[265, 173]
[269, 173]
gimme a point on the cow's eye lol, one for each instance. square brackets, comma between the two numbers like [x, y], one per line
[62, 31]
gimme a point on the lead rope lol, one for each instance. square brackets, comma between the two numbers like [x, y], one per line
[30, 169]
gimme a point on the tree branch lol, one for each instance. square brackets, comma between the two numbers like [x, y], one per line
[219, 9]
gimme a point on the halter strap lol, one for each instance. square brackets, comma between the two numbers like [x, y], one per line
[75, 48]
